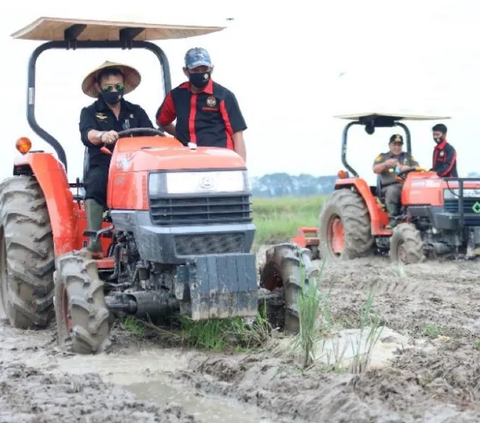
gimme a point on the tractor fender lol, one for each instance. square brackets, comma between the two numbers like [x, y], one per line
[52, 178]
[377, 215]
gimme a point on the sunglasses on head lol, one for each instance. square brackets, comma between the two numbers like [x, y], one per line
[109, 88]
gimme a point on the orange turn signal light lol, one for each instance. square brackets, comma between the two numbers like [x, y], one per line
[23, 145]
[342, 174]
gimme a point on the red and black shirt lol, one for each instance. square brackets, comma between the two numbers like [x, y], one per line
[208, 119]
[445, 160]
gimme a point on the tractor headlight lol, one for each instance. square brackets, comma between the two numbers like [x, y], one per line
[450, 194]
[210, 182]
[454, 194]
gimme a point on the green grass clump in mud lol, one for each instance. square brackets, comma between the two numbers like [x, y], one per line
[134, 326]
[316, 326]
[223, 334]
[277, 219]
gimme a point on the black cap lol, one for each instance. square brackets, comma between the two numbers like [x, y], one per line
[397, 138]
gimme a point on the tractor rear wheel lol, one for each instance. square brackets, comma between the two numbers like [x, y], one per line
[81, 311]
[27, 259]
[406, 245]
[286, 267]
[345, 226]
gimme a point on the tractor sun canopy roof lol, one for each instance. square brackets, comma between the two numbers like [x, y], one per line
[387, 119]
[59, 29]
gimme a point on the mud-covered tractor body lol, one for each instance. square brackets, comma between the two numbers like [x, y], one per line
[176, 236]
[438, 215]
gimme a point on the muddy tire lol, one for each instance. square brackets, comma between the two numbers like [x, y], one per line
[284, 266]
[81, 311]
[406, 245]
[345, 227]
[27, 259]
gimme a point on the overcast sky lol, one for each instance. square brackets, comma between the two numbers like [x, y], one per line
[291, 67]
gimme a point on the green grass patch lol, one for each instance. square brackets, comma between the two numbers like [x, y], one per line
[134, 326]
[431, 331]
[225, 334]
[278, 219]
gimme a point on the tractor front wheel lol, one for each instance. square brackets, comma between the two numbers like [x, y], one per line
[345, 226]
[289, 270]
[406, 245]
[27, 260]
[81, 311]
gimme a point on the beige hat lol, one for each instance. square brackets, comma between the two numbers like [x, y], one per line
[131, 75]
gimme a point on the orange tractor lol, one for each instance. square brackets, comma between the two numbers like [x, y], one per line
[439, 216]
[177, 234]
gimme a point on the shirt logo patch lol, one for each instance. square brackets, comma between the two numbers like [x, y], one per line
[442, 153]
[378, 159]
[101, 116]
[211, 101]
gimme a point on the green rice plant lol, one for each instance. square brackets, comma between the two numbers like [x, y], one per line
[309, 316]
[375, 329]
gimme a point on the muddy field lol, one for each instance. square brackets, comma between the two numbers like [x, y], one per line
[432, 375]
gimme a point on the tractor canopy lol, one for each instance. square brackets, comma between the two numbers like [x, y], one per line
[72, 34]
[380, 120]
[60, 29]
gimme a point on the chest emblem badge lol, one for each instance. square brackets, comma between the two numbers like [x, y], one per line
[211, 101]
[101, 116]
[442, 153]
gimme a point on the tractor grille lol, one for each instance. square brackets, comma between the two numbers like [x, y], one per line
[187, 245]
[471, 211]
[200, 210]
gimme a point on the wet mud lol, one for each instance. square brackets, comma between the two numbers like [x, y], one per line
[433, 377]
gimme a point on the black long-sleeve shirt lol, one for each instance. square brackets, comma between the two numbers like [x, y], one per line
[445, 160]
[100, 117]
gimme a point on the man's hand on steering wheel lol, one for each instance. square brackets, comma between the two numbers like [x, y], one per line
[402, 175]
[109, 137]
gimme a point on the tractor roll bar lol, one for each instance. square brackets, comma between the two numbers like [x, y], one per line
[374, 124]
[126, 43]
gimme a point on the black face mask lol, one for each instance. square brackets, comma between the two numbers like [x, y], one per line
[112, 97]
[199, 80]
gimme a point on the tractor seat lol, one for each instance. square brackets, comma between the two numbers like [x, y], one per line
[378, 190]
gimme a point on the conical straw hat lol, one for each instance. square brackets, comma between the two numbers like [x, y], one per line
[132, 78]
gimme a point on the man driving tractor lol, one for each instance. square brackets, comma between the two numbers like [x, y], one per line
[387, 166]
[99, 126]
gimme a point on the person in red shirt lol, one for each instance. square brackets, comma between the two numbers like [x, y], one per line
[444, 155]
[207, 114]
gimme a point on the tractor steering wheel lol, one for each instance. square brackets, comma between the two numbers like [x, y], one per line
[152, 131]
[127, 132]
[403, 174]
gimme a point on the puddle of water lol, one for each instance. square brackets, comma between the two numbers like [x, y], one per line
[206, 409]
[350, 344]
[125, 369]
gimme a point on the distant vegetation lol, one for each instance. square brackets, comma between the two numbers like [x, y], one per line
[283, 184]
[277, 219]
[282, 203]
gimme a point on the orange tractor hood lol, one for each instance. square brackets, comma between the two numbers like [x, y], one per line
[142, 154]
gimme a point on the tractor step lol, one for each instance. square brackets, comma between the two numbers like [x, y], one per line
[219, 286]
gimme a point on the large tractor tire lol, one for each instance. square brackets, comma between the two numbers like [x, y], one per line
[81, 311]
[27, 259]
[345, 227]
[286, 266]
[406, 245]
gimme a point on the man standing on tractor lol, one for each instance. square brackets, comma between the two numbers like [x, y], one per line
[207, 113]
[444, 155]
[387, 166]
[99, 126]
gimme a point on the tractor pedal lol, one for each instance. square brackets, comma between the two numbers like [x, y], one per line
[97, 234]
